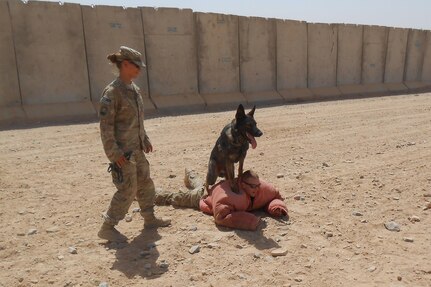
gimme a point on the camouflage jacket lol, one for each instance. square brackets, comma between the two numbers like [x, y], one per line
[121, 115]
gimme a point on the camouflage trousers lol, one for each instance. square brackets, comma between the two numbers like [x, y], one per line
[188, 198]
[136, 183]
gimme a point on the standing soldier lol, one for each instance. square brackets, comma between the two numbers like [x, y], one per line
[125, 141]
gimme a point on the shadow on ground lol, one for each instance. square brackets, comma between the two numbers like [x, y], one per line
[139, 257]
[256, 238]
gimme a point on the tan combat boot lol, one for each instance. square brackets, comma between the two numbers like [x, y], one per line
[191, 179]
[151, 221]
[108, 232]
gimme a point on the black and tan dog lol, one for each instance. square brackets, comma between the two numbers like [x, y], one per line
[231, 147]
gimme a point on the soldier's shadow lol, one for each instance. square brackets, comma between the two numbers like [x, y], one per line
[139, 257]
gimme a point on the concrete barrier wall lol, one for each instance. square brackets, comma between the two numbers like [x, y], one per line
[374, 59]
[395, 59]
[257, 59]
[56, 64]
[10, 98]
[218, 59]
[292, 60]
[349, 55]
[51, 60]
[322, 60]
[106, 28]
[415, 58]
[374, 53]
[426, 67]
[349, 59]
[171, 58]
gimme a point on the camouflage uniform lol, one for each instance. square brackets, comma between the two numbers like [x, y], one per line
[122, 130]
[189, 198]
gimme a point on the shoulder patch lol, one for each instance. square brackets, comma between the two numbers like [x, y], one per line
[103, 111]
[105, 100]
[116, 83]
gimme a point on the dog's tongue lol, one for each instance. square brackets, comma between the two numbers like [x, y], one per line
[252, 141]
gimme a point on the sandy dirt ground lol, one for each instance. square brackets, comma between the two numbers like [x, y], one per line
[345, 169]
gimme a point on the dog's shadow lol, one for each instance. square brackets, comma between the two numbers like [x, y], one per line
[256, 238]
[139, 257]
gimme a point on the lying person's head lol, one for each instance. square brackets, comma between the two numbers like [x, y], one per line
[249, 182]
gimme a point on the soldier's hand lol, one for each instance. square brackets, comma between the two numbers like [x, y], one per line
[121, 161]
[148, 148]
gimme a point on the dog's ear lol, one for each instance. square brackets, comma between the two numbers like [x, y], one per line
[251, 113]
[240, 113]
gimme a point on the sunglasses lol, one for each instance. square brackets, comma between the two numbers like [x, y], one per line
[254, 186]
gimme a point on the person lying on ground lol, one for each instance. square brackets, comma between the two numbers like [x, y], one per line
[228, 208]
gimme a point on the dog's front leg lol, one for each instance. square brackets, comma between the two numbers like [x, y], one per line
[240, 167]
[230, 176]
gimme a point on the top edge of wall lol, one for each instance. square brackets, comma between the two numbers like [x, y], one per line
[214, 13]
[61, 3]
[93, 6]
[323, 24]
[258, 18]
[44, 3]
[291, 20]
[166, 8]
